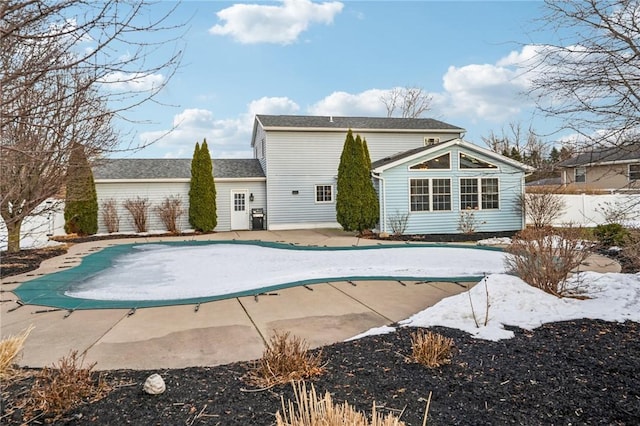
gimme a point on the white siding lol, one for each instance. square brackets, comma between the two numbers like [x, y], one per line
[297, 161]
[506, 218]
[155, 192]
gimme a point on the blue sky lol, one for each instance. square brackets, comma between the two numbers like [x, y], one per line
[339, 58]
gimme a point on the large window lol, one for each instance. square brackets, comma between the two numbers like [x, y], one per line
[430, 195]
[324, 193]
[479, 193]
[438, 163]
[469, 162]
[634, 171]
[580, 175]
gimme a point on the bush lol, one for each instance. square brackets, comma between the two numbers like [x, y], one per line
[285, 359]
[110, 216]
[203, 215]
[10, 347]
[170, 211]
[81, 199]
[542, 208]
[139, 209]
[631, 249]
[65, 386]
[543, 257]
[610, 234]
[431, 349]
[314, 411]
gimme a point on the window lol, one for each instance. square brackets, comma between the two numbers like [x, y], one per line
[468, 194]
[634, 171]
[490, 196]
[239, 202]
[419, 195]
[441, 162]
[324, 193]
[480, 193]
[430, 195]
[580, 175]
[469, 162]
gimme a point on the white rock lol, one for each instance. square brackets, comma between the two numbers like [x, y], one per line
[154, 385]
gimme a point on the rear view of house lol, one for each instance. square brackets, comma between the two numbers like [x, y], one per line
[421, 168]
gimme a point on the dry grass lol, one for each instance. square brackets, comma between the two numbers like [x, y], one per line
[286, 358]
[631, 248]
[543, 257]
[66, 385]
[431, 349]
[10, 347]
[309, 410]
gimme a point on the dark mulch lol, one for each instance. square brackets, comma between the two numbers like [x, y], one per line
[576, 372]
[26, 260]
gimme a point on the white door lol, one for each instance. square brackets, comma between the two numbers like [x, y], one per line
[239, 211]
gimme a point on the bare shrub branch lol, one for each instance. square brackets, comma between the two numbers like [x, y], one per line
[63, 387]
[542, 208]
[398, 222]
[169, 212]
[544, 257]
[110, 216]
[139, 209]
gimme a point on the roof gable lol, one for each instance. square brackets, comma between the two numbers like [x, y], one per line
[414, 154]
[172, 168]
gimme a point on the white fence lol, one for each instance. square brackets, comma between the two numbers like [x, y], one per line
[591, 210]
[47, 219]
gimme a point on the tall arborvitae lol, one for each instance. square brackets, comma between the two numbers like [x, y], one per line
[347, 203]
[356, 202]
[371, 209]
[202, 191]
[81, 199]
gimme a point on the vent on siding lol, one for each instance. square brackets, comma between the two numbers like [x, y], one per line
[431, 141]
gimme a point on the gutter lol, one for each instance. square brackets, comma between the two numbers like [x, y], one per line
[383, 216]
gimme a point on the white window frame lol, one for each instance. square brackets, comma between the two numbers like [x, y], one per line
[409, 167]
[479, 193]
[636, 172]
[430, 195]
[460, 154]
[316, 193]
[583, 174]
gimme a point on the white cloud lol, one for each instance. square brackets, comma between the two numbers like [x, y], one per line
[367, 103]
[227, 138]
[493, 92]
[132, 82]
[282, 24]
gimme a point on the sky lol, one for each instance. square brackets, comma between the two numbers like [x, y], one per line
[510, 301]
[339, 58]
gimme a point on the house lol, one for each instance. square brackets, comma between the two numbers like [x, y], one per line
[293, 176]
[612, 169]
[240, 185]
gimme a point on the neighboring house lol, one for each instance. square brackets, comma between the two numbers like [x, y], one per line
[613, 169]
[293, 176]
[239, 188]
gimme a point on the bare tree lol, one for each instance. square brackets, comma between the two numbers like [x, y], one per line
[530, 148]
[541, 207]
[406, 102]
[590, 79]
[68, 70]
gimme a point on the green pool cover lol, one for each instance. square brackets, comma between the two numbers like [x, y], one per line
[49, 290]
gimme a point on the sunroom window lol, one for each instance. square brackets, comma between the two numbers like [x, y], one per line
[469, 162]
[437, 163]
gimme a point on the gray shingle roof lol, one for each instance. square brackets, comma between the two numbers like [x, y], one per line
[630, 153]
[400, 155]
[173, 168]
[360, 123]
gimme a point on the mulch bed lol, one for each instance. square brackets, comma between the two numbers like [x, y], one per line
[573, 372]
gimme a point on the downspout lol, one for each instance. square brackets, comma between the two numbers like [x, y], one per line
[383, 196]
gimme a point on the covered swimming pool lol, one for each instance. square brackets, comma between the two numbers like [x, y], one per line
[172, 273]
